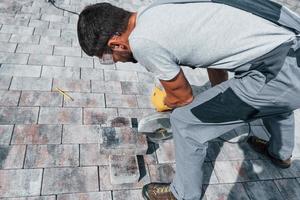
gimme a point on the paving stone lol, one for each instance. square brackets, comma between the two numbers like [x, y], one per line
[36, 59]
[144, 101]
[82, 134]
[31, 83]
[45, 32]
[4, 37]
[293, 171]
[72, 85]
[13, 58]
[265, 170]
[20, 70]
[37, 134]
[139, 88]
[123, 169]
[54, 18]
[45, 156]
[106, 86]
[31, 198]
[166, 152]
[67, 51]
[102, 116]
[105, 184]
[92, 74]
[226, 191]
[35, 49]
[262, 190]
[17, 29]
[162, 172]
[54, 40]
[18, 115]
[225, 172]
[86, 196]
[112, 75]
[128, 194]
[53, 115]
[8, 47]
[239, 151]
[14, 21]
[135, 113]
[16, 183]
[9, 98]
[123, 141]
[245, 171]
[209, 176]
[90, 155]
[289, 188]
[85, 100]
[79, 62]
[125, 101]
[70, 33]
[12, 157]
[128, 66]
[5, 133]
[69, 180]
[61, 72]
[27, 39]
[62, 25]
[37, 98]
[38, 23]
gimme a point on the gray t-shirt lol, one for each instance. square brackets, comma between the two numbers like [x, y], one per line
[201, 35]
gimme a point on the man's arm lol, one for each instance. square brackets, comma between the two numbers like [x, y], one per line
[178, 90]
[217, 76]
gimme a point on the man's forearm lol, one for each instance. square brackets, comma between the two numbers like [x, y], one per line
[179, 91]
[217, 76]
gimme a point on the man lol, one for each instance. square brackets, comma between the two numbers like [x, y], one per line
[207, 35]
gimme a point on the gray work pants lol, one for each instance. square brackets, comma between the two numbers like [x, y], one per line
[269, 90]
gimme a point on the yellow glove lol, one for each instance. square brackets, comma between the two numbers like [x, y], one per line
[157, 100]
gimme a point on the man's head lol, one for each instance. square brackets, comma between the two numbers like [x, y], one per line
[104, 29]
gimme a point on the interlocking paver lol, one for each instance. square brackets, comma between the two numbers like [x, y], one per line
[90, 155]
[82, 134]
[61, 72]
[12, 157]
[86, 196]
[144, 101]
[112, 75]
[17, 29]
[226, 191]
[262, 190]
[99, 86]
[128, 194]
[38, 23]
[18, 115]
[67, 51]
[7, 47]
[293, 171]
[5, 133]
[9, 98]
[141, 88]
[55, 40]
[79, 62]
[105, 183]
[70, 180]
[289, 188]
[35, 49]
[72, 85]
[123, 169]
[123, 141]
[54, 115]
[20, 70]
[45, 156]
[134, 113]
[37, 134]
[225, 172]
[18, 183]
[13, 58]
[92, 74]
[31, 83]
[54, 18]
[27, 39]
[162, 172]
[125, 101]
[245, 171]
[37, 98]
[41, 31]
[102, 116]
[86, 100]
[4, 37]
[32, 198]
[37, 59]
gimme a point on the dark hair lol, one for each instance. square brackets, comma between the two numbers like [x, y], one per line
[97, 24]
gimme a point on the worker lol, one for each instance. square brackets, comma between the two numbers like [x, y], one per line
[262, 53]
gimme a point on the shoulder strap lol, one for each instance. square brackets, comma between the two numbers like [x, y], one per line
[269, 10]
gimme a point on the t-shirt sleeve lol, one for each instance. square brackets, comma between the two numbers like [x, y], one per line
[155, 58]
